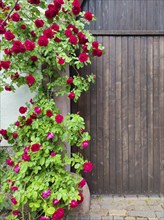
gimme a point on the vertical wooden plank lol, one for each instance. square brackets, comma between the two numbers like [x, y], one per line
[150, 15]
[112, 116]
[137, 52]
[106, 113]
[131, 113]
[156, 117]
[92, 8]
[93, 128]
[124, 104]
[100, 150]
[143, 14]
[161, 14]
[137, 15]
[161, 113]
[150, 113]
[99, 15]
[105, 10]
[144, 160]
[118, 117]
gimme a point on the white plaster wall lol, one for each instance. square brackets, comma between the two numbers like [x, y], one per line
[9, 106]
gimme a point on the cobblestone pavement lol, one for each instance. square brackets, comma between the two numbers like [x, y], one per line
[123, 208]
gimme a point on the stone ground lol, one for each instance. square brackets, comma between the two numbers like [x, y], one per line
[123, 208]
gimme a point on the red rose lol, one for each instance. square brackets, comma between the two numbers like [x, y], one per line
[29, 121]
[49, 113]
[43, 41]
[16, 212]
[49, 33]
[17, 123]
[75, 29]
[55, 201]
[76, 10]
[13, 200]
[33, 58]
[7, 51]
[82, 183]
[82, 38]
[10, 162]
[23, 26]
[85, 48]
[88, 15]
[76, 3]
[33, 34]
[22, 110]
[9, 35]
[59, 118]
[69, 80]
[74, 204]
[73, 40]
[35, 147]
[2, 29]
[34, 2]
[44, 218]
[5, 64]
[17, 7]
[85, 144]
[57, 40]
[58, 3]
[33, 116]
[52, 12]
[68, 32]
[26, 157]
[52, 154]
[83, 57]
[15, 17]
[71, 95]
[3, 132]
[15, 135]
[88, 166]
[30, 80]
[39, 23]
[29, 45]
[15, 76]
[37, 110]
[58, 214]
[99, 52]
[61, 61]
[8, 88]
[18, 47]
[81, 198]
[55, 27]
[16, 168]
[95, 44]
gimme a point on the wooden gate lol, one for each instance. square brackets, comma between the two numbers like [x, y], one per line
[124, 110]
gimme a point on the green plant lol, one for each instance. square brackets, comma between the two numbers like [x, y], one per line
[39, 40]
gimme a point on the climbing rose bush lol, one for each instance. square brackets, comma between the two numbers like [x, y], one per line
[39, 41]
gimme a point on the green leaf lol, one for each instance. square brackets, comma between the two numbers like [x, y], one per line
[50, 210]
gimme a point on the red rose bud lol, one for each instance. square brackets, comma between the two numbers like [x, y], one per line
[15, 135]
[69, 80]
[9, 35]
[33, 116]
[59, 118]
[71, 95]
[57, 40]
[22, 110]
[43, 41]
[50, 135]
[81, 198]
[82, 183]
[55, 27]
[33, 58]
[10, 162]
[52, 154]
[39, 23]
[31, 101]
[23, 26]
[37, 110]
[5, 64]
[16, 212]
[33, 34]
[46, 194]
[74, 204]
[26, 157]
[13, 200]
[61, 61]
[17, 7]
[83, 57]
[17, 123]
[15, 76]
[30, 80]
[55, 201]
[58, 214]
[35, 147]
[26, 150]
[44, 218]
[14, 188]
[16, 168]
[85, 144]
[73, 40]
[88, 166]
[49, 33]
[7, 51]
[8, 88]
[49, 113]
[88, 16]
[15, 17]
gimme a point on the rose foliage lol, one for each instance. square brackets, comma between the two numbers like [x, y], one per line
[39, 41]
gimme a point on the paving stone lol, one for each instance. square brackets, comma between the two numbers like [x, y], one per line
[83, 217]
[130, 218]
[107, 218]
[153, 218]
[141, 218]
[157, 208]
[160, 214]
[101, 212]
[72, 217]
[148, 214]
[118, 218]
[95, 217]
[118, 212]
